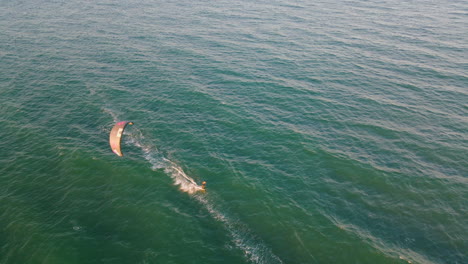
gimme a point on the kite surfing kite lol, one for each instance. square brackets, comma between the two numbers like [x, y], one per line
[116, 135]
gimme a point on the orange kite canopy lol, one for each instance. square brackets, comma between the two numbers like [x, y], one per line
[116, 135]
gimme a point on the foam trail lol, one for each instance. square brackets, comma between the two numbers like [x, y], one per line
[158, 161]
[253, 248]
[185, 183]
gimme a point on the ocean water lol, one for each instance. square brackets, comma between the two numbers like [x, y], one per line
[328, 131]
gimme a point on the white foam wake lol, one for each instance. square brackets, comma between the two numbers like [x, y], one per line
[253, 248]
[158, 161]
[185, 183]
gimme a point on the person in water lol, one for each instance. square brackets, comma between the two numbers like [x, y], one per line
[203, 186]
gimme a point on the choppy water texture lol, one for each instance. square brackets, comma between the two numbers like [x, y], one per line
[328, 131]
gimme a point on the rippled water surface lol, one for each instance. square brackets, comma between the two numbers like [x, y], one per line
[327, 131]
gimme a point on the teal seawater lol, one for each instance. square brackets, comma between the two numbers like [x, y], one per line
[328, 131]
